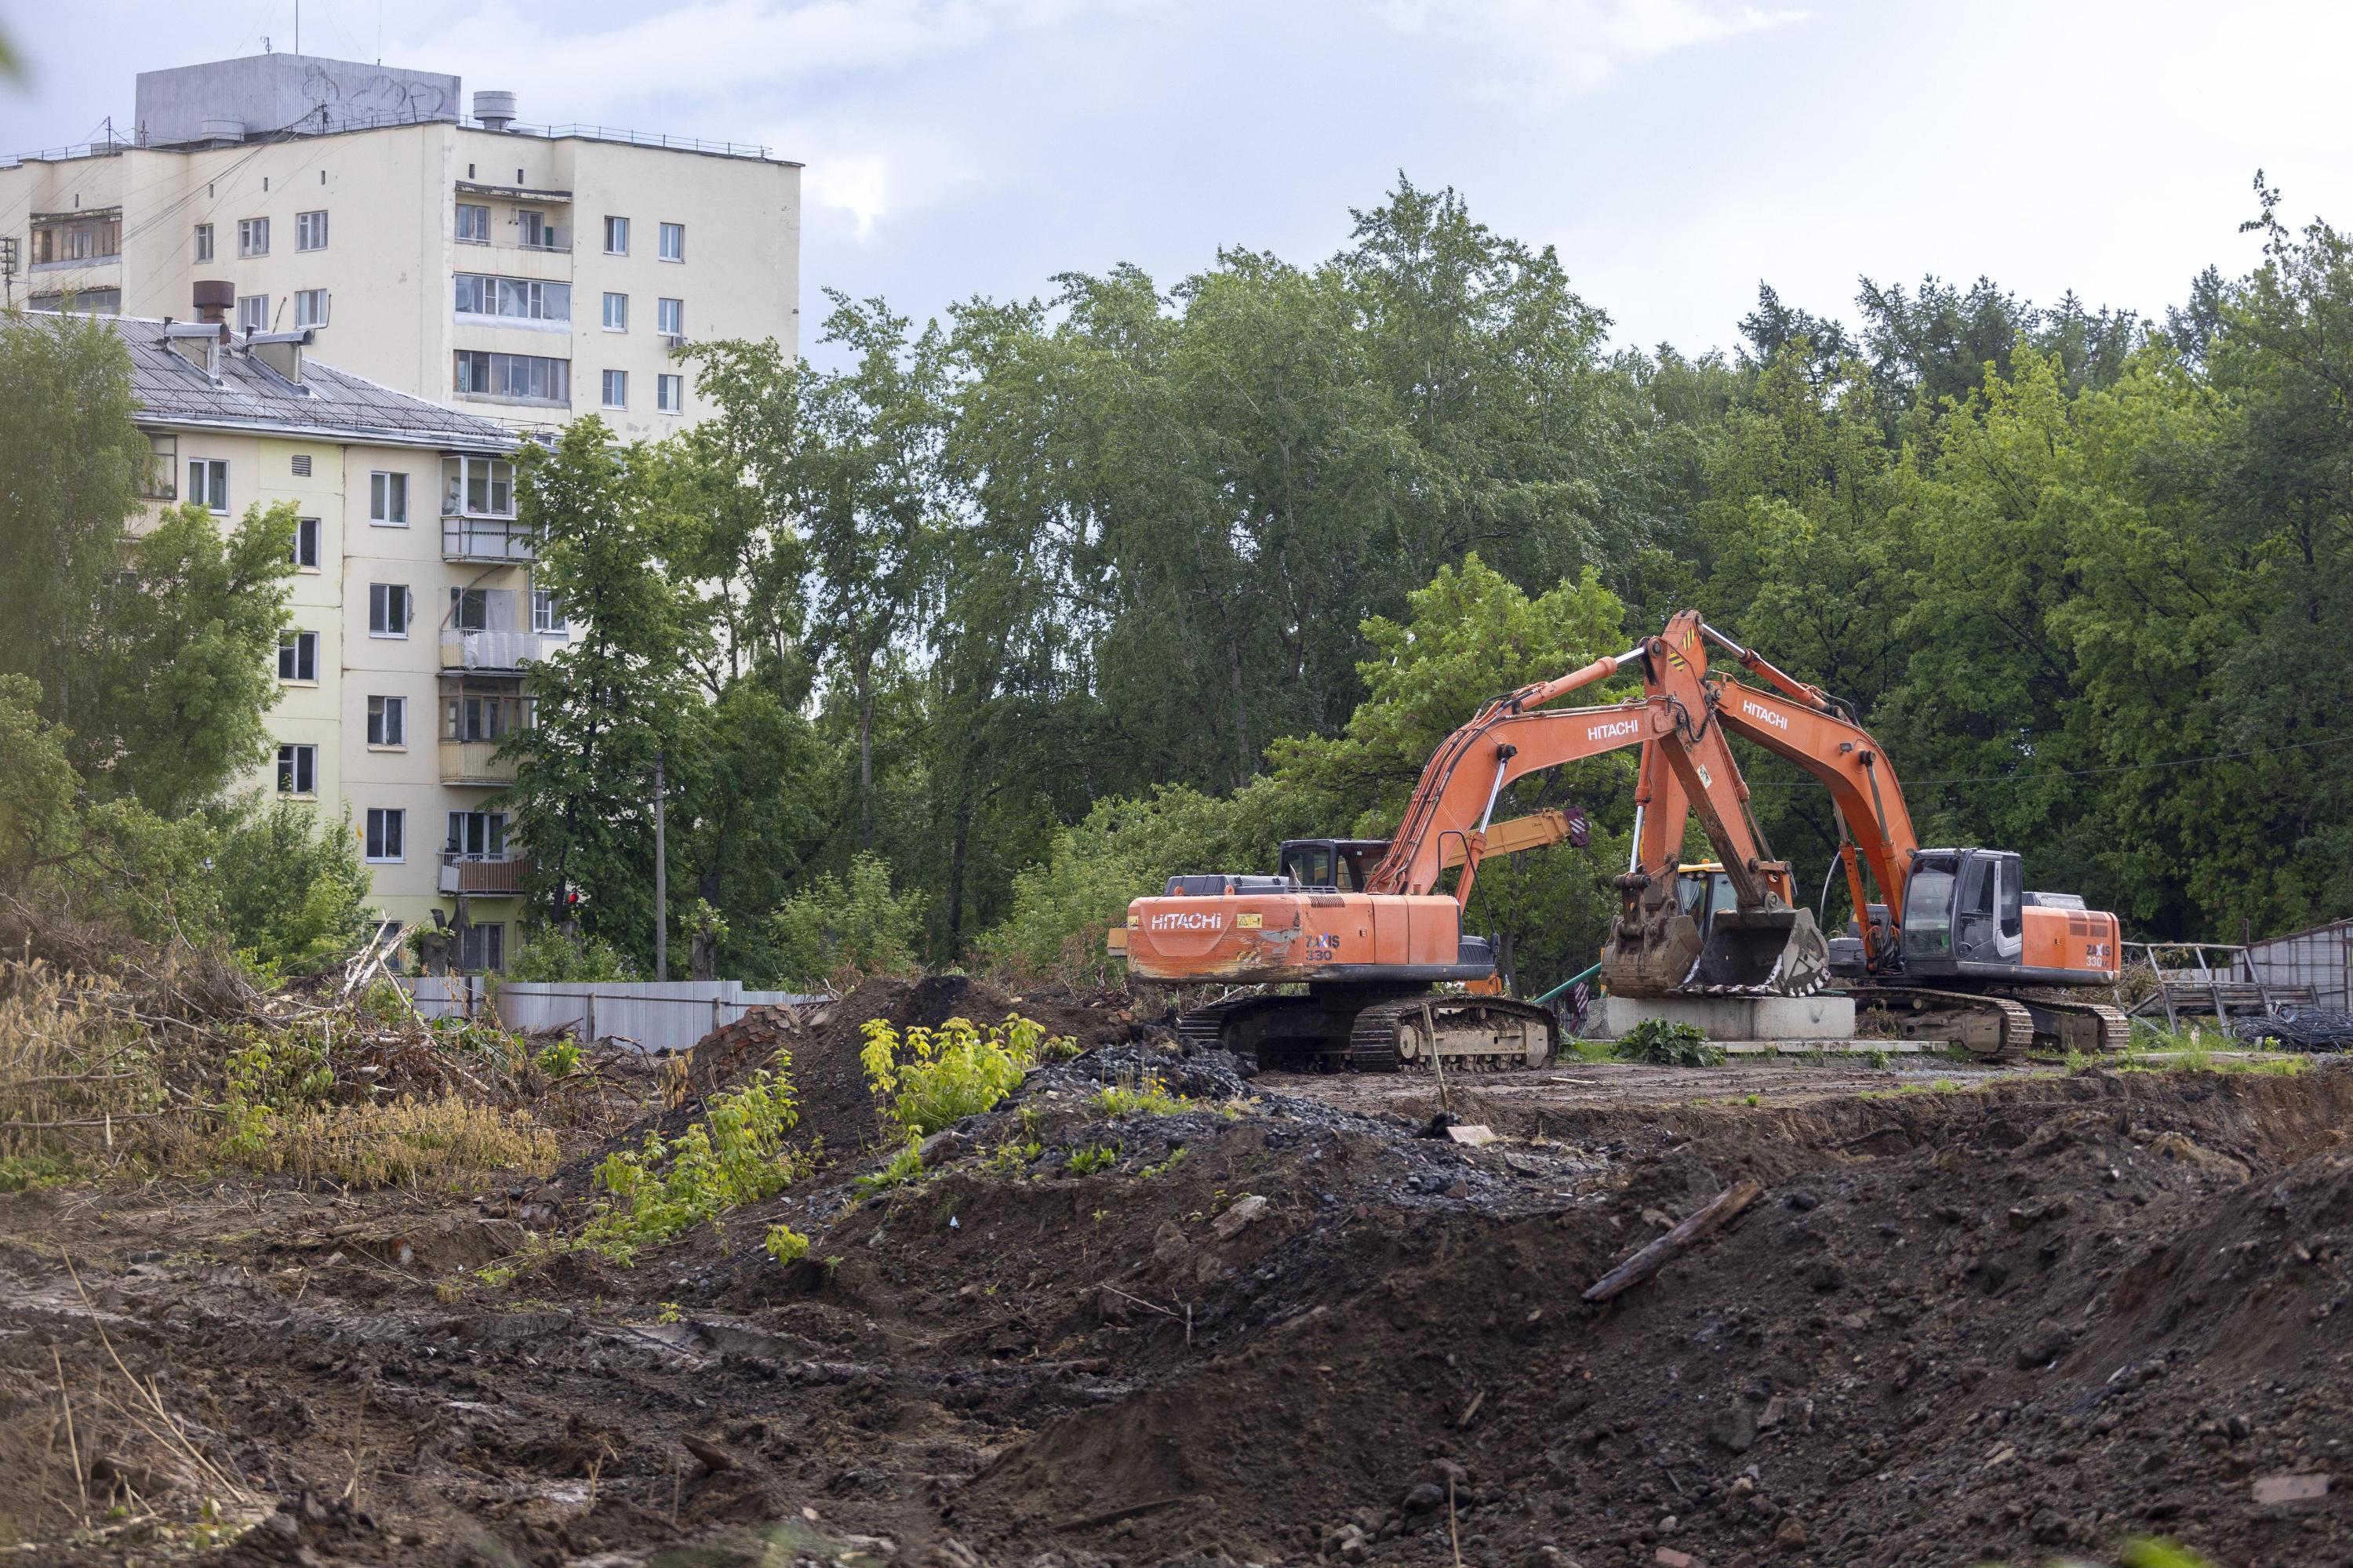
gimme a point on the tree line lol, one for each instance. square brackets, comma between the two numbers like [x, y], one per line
[947, 652]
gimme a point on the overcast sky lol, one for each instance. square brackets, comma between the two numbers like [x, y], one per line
[1677, 152]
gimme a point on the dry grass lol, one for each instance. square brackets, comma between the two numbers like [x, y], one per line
[76, 1075]
[449, 1143]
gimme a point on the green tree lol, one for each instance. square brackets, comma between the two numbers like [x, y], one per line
[182, 659]
[71, 470]
[618, 696]
[292, 891]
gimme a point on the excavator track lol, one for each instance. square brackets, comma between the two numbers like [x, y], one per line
[1377, 1032]
[1991, 1028]
[2056, 1019]
[2081, 1024]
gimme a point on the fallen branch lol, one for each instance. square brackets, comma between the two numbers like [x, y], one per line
[1719, 1212]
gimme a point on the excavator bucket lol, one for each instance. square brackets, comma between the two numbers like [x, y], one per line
[1657, 947]
[1654, 945]
[1762, 952]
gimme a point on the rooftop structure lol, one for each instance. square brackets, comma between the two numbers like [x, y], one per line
[526, 275]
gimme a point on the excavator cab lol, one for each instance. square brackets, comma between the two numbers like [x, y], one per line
[1331, 865]
[1964, 914]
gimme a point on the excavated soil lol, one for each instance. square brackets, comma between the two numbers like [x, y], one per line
[2022, 1317]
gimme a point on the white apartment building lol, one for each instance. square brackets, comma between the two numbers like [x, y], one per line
[414, 616]
[524, 273]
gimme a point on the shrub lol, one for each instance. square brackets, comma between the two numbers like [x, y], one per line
[1666, 1044]
[837, 930]
[292, 889]
[556, 956]
[787, 1244]
[735, 1155]
[935, 1078]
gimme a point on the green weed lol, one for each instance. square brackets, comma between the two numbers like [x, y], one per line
[560, 1060]
[1666, 1044]
[932, 1079]
[735, 1155]
[787, 1244]
[1087, 1161]
[1149, 1096]
[902, 1168]
[1176, 1158]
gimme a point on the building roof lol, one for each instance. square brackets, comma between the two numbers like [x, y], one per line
[248, 396]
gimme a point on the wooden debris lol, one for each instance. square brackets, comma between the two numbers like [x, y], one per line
[1719, 1212]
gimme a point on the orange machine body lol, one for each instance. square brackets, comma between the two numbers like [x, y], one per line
[1267, 939]
[2079, 944]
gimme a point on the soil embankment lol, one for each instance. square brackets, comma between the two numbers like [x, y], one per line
[2018, 1318]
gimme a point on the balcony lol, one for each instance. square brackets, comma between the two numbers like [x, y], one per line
[488, 650]
[487, 540]
[484, 876]
[475, 762]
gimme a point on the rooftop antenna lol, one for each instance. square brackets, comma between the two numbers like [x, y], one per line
[298, 27]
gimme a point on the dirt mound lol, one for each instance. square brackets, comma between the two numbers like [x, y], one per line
[824, 1040]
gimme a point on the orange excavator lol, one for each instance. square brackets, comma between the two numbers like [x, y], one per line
[1368, 930]
[1955, 947]
[1364, 925]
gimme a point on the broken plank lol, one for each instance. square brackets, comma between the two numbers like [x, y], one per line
[1719, 1212]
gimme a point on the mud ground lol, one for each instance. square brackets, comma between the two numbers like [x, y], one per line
[2022, 1316]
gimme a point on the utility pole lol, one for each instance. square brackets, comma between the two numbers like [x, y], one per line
[661, 874]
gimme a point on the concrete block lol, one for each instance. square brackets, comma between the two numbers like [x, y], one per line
[1730, 1017]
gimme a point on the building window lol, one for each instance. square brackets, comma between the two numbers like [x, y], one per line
[470, 609]
[162, 468]
[309, 307]
[388, 500]
[673, 242]
[387, 721]
[253, 237]
[478, 835]
[385, 831]
[547, 612]
[77, 240]
[297, 656]
[670, 393]
[531, 376]
[534, 232]
[388, 609]
[617, 313]
[523, 299]
[208, 485]
[306, 543]
[298, 770]
[617, 237]
[616, 389]
[482, 949]
[480, 716]
[203, 242]
[309, 231]
[473, 224]
[253, 313]
[669, 316]
[477, 487]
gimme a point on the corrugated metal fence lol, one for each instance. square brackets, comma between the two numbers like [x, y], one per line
[2321, 959]
[656, 1015]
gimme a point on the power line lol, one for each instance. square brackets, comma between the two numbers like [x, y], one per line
[2089, 772]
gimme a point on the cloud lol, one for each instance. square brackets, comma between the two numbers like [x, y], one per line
[1555, 49]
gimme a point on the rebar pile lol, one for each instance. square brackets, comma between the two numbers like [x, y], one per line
[2298, 1029]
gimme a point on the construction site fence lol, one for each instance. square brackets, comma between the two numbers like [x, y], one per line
[655, 1016]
